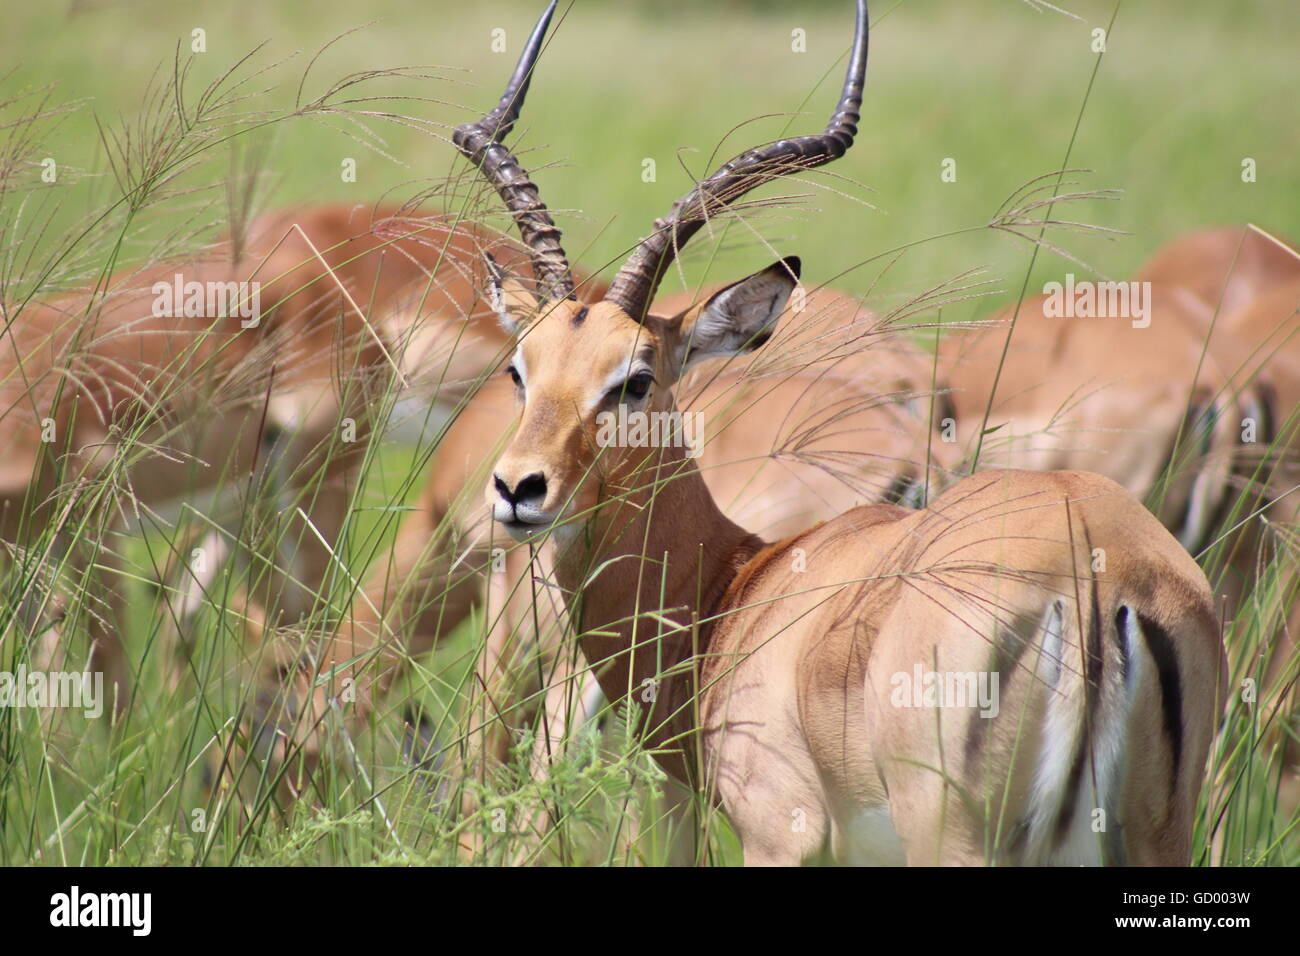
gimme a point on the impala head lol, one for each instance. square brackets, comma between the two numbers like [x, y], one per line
[578, 371]
[573, 363]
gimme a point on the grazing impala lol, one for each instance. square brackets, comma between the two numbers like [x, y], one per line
[782, 684]
[99, 393]
[1268, 329]
[1158, 406]
[1145, 405]
[1249, 281]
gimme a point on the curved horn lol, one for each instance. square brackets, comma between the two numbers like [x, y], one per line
[634, 286]
[481, 143]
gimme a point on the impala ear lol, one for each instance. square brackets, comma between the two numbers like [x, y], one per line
[510, 299]
[738, 318]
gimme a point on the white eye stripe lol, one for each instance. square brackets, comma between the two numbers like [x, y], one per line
[517, 360]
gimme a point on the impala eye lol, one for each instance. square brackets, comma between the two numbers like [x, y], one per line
[635, 388]
[514, 377]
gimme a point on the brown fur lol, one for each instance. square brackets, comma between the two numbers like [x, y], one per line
[784, 447]
[204, 390]
[996, 546]
[1226, 267]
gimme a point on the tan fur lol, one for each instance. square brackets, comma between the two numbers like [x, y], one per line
[790, 668]
[784, 447]
[1251, 284]
[1099, 394]
[1267, 330]
[205, 389]
[1226, 267]
[1267, 333]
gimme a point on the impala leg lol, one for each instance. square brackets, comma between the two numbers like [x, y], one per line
[926, 810]
[407, 604]
[772, 856]
[506, 670]
[785, 839]
[925, 804]
[523, 663]
[914, 808]
[779, 811]
[573, 699]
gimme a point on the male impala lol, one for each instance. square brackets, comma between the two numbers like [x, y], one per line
[777, 452]
[781, 687]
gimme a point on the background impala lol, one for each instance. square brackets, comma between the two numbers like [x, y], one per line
[934, 154]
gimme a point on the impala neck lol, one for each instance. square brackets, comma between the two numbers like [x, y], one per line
[692, 553]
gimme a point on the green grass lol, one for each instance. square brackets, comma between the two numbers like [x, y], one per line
[1183, 95]
[1179, 100]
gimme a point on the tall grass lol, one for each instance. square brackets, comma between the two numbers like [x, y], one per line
[188, 774]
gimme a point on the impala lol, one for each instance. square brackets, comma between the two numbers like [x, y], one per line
[776, 684]
[1268, 329]
[1196, 411]
[102, 392]
[1147, 406]
[784, 447]
[1160, 409]
[1249, 282]
[790, 442]
[1226, 267]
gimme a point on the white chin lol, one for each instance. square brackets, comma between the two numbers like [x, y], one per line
[522, 531]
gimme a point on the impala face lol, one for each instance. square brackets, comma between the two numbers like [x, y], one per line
[573, 365]
[570, 364]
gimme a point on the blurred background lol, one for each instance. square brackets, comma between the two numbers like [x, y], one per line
[1004, 88]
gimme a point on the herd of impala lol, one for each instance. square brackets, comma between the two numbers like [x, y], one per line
[859, 513]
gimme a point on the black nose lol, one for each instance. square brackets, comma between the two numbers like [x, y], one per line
[530, 486]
